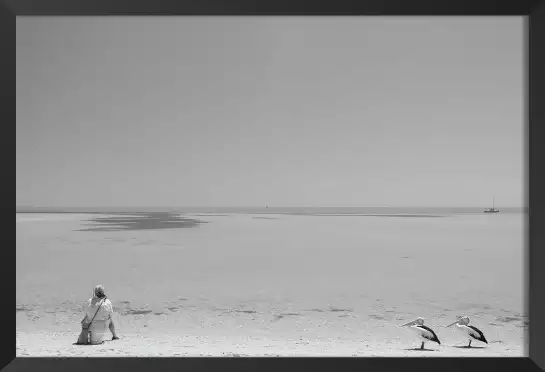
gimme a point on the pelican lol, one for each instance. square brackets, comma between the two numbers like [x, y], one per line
[469, 331]
[426, 333]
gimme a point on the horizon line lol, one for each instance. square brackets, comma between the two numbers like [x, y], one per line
[260, 206]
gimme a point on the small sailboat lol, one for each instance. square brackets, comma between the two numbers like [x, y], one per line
[491, 210]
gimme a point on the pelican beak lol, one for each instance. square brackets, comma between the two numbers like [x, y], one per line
[450, 325]
[408, 324]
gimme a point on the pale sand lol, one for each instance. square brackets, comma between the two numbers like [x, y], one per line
[165, 345]
[207, 330]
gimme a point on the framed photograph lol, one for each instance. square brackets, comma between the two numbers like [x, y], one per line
[277, 184]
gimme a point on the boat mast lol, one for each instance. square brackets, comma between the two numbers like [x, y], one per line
[493, 202]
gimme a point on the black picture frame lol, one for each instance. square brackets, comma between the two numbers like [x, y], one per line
[535, 21]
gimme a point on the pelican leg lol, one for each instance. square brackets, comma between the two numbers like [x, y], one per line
[422, 346]
[469, 345]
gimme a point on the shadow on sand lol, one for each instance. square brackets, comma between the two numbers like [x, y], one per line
[76, 344]
[470, 347]
[419, 349]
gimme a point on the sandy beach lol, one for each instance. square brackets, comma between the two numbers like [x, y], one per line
[273, 284]
[165, 345]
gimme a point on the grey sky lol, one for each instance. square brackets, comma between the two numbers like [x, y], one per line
[248, 111]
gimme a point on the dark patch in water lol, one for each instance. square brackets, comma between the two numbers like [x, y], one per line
[377, 317]
[508, 311]
[246, 311]
[137, 312]
[173, 309]
[141, 221]
[283, 315]
[290, 314]
[406, 257]
[507, 319]
[265, 218]
[336, 310]
[331, 310]
[53, 311]
[22, 308]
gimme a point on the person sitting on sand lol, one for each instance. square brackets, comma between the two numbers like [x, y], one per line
[100, 310]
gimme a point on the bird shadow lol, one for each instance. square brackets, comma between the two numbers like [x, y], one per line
[76, 344]
[101, 343]
[470, 347]
[419, 349]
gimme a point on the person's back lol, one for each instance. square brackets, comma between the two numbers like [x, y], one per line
[105, 311]
[99, 311]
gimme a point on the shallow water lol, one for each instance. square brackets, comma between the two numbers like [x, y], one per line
[388, 268]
